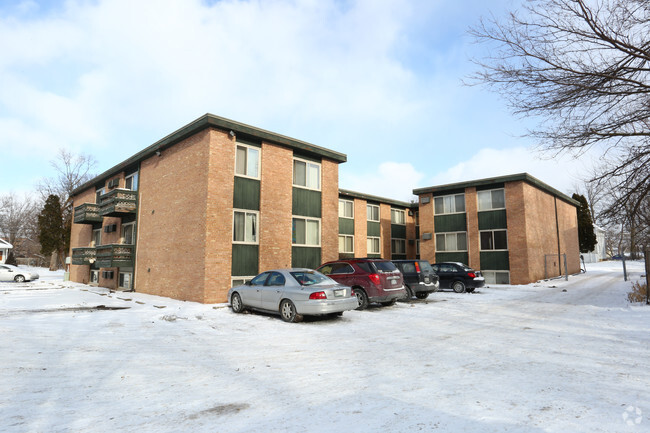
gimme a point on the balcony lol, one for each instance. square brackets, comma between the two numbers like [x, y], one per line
[115, 256]
[83, 256]
[118, 202]
[87, 213]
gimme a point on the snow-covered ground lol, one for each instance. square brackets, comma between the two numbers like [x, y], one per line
[556, 356]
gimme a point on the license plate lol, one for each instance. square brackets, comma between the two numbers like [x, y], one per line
[426, 279]
[339, 293]
[394, 282]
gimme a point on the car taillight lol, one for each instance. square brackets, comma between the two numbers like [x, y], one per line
[375, 279]
[417, 267]
[318, 295]
[471, 274]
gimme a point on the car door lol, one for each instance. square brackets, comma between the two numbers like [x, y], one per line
[251, 294]
[6, 273]
[272, 291]
[446, 273]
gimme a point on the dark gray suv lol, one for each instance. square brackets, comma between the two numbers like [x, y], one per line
[419, 278]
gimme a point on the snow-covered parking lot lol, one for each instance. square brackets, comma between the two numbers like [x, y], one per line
[555, 356]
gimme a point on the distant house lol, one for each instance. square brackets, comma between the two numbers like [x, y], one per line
[599, 253]
[4, 250]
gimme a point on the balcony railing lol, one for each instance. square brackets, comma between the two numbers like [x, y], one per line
[115, 256]
[87, 213]
[83, 256]
[119, 202]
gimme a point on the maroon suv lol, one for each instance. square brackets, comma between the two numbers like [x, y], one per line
[373, 280]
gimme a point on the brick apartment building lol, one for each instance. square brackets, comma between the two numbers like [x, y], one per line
[515, 229]
[216, 202]
[377, 227]
[204, 208]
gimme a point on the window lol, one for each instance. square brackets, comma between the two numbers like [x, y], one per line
[492, 199]
[373, 245]
[346, 244]
[97, 238]
[131, 182]
[306, 174]
[451, 241]
[496, 277]
[306, 232]
[239, 281]
[494, 240]
[125, 280]
[337, 268]
[373, 212]
[99, 192]
[247, 161]
[244, 227]
[260, 279]
[398, 246]
[276, 279]
[417, 218]
[449, 204]
[128, 234]
[346, 209]
[397, 216]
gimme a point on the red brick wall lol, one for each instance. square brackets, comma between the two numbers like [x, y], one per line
[360, 228]
[427, 247]
[473, 238]
[81, 236]
[329, 211]
[276, 207]
[517, 235]
[568, 224]
[171, 245]
[384, 229]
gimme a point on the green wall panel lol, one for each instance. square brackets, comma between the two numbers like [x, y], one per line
[450, 223]
[397, 232]
[493, 219]
[452, 257]
[245, 260]
[306, 202]
[374, 229]
[305, 257]
[374, 256]
[346, 226]
[246, 193]
[495, 261]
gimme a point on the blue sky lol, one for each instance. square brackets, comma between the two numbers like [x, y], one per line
[377, 80]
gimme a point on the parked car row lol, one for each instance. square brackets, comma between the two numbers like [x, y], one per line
[348, 284]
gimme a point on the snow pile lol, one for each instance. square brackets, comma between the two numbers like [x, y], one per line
[556, 356]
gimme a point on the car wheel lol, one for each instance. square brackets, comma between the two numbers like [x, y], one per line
[19, 278]
[288, 311]
[362, 298]
[236, 303]
[422, 295]
[458, 287]
[409, 293]
[389, 303]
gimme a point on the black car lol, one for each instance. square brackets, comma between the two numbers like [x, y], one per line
[419, 278]
[458, 277]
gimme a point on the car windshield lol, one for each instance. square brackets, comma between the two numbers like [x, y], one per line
[385, 266]
[309, 278]
[425, 266]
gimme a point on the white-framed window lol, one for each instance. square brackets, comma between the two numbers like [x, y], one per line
[451, 242]
[398, 246]
[374, 243]
[306, 174]
[245, 227]
[346, 244]
[448, 204]
[305, 231]
[131, 182]
[240, 281]
[496, 277]
[346, 208]
[94, 276]
[373, 212]
[491, 199]
[398, 216]
[125, 280]
[97, 238]
[128, 234]
[494, 240]
[247, 161]
[99, 192]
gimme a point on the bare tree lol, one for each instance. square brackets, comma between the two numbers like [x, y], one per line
[17, 216]
[582, 67]
[71, 171]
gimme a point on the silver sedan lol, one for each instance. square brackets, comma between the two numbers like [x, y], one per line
[293, 293]
[14, 273]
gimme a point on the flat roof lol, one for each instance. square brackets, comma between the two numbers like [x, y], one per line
[210, 120]
[369, 197]
[525, 177]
